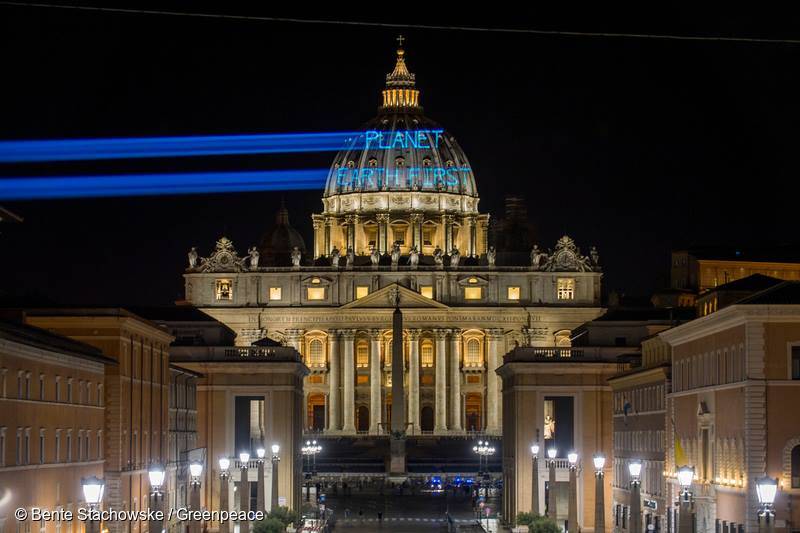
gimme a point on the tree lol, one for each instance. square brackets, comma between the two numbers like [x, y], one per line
[537, 523]
[276, 521]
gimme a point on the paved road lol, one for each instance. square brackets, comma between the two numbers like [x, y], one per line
[400, 513]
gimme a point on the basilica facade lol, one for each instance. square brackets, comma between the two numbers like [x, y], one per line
[400, 227]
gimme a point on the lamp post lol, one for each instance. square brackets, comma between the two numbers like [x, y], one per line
[93, 488]
[224, 464]
[310, 451]
[195, 470]
[766, 489]
[275, 460]
[572, 515]
[484, 451]
[244, 493]
[552, 512]
[635, 470]
[599, 494]
[535, 479]
[685, 518]
[156, 474]
[261, 497]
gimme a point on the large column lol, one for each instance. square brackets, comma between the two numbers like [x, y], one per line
[350, 222]
[383, 231]
[416, 230]
[440, 423]
[494, 338]
[318, 222]
[447, 229]
[552, 510]
[572, 511]
[375, 385]
[329, 222]
[455, 380]
[413, 380]
[294, 338]
[348, 386]
[334, 423]
[469, 228]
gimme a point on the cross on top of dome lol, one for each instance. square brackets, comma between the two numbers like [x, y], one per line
[400, 89]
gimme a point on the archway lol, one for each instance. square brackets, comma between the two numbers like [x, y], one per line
[426, 418]
[362, 419]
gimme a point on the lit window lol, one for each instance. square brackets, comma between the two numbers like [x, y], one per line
[275, 293]
[473, 293]
[361, 291]
[427, 236]
[315, 281]
[427, 354]
[362, 354]
[472, 357]
[316, 353]
[224, 289]
[426, 291]
[513, 293]
[566, 288]
[315, 293]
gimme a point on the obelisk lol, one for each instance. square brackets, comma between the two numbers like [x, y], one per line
[397, 439]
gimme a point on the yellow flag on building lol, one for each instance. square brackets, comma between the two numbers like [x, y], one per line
[680, 455]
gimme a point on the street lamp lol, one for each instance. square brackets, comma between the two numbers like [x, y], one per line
[635, 470]
[224, 465]
[599, 493]
[572, 511]
[766, 489]
[310, 451]
[261, 500]
[275, 460]
[484, 450]
[552, 512]
[195, 470]
[244, 492]
[93, 488]
[535, 478]
[685, 476]
[156, 473]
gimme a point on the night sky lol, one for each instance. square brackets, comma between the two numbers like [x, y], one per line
[635, 146]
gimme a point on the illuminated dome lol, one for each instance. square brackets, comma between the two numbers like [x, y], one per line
[401, 150]
[403, 185]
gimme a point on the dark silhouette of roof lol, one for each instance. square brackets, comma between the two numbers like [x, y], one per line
[46, 340]
[752, 283]
[788, 253]
[785, 293]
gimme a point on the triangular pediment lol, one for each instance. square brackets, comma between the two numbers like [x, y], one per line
[384, 298]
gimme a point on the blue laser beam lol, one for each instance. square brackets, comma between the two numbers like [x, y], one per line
[33, 151]
[55, 187]
[36, 151]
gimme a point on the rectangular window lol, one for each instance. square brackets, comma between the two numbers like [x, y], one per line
[58, 446]
[361, 291]
[41, 387]
[69, 446]
[315, 293]
[275, 293]
[795, 362]
[2, 446]
[566, 288]
[69, 390]
[513, 293]
[427, 236]
[41, 446]
[426, 354]
[426, 291]
[19, 446]
[473, 293]
[28, 446]
[224, 289]
[399, 235]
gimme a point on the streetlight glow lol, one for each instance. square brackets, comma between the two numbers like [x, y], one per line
[93, 488]
[275, 449]
[224, 464]
[156, 475]
[196, 469]
[535, 449]
[766, 488]
[599, 462]
[685, 476]
[572, 457]
[244, 458]
[261, 452]
[551, 453]
[635, 469]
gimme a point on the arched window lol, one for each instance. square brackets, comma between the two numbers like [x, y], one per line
[472, 357]
[362, 354]
[426, 354]
[316, 353]
[796, 467]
